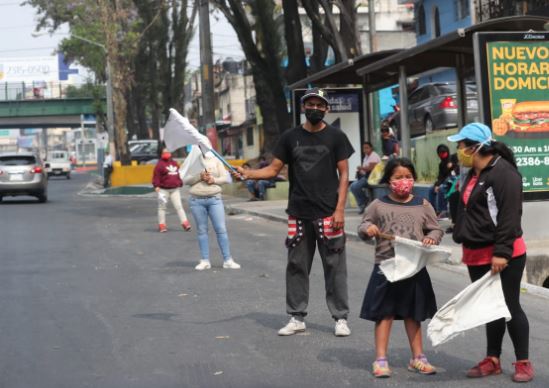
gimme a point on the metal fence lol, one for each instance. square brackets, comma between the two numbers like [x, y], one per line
[10, 91]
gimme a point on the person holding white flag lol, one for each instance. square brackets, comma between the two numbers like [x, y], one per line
[488, 225]
[412, 299]
[206, 204]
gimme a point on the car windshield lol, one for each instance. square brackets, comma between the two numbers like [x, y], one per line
[17, 160]
[60, 155]
[144, 148]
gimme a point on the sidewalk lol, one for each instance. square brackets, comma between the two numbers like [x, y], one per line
[276, 211]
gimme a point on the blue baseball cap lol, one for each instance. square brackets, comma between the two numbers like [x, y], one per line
[477, 132]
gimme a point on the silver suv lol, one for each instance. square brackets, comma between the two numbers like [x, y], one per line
[22, 173]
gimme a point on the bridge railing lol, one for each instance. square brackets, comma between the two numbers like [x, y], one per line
[15, 91]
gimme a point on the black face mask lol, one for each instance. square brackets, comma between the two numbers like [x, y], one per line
[314, 116]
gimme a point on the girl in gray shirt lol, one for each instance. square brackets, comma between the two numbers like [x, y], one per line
[403, 214]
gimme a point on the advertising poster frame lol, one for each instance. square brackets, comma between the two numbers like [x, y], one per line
[353, 97]
[512, 83]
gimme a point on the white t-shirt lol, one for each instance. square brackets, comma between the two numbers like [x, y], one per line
[372, 158]
[107, 162]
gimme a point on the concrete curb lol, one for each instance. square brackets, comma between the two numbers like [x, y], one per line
[456, 268]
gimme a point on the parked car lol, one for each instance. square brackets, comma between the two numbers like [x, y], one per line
[23, 174]
[59, 164]
[143, 150]
[434, 106]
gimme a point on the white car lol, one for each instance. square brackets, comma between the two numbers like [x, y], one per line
[59, 164]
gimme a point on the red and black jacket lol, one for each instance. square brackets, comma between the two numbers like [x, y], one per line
[493, 212]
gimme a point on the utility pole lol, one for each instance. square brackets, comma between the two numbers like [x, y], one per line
[206, 65]
[372, 25]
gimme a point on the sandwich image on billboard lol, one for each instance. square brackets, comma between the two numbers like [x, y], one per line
[527, 119]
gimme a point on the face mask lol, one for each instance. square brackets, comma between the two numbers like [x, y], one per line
[314, 116]
[402, 187]
[443, 155]
[464, 159]
[166, 155]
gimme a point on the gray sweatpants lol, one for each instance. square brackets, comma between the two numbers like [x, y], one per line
[300, 260]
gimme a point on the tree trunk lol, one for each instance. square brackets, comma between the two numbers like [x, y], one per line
[295, 49]
[348, 28]
[320, 50]
[264, 58]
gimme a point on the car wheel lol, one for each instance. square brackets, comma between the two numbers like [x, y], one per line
[68, 176]
[429, 126]
[43, 197]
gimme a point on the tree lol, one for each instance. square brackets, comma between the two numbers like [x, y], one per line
[295, 49]
[146, 44]
[264, 55]
[255, 23]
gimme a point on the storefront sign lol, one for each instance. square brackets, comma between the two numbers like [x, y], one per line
[513, 70]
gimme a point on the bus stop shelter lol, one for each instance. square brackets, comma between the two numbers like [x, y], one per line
[345, 73]
[453, 50]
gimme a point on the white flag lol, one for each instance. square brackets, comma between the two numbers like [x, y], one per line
[479, 303]
[193, 163]
[179, 132]
[410, 258]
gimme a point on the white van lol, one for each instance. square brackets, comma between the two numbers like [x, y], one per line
[59, 164]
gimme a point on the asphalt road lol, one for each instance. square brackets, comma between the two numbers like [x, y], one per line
[92, 296]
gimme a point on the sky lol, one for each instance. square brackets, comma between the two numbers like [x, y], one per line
[17, 24]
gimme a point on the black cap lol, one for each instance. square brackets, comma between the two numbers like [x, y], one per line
[315, 92]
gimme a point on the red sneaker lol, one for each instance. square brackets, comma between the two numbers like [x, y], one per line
[524, 371]
[162, 228]
[485, 368]
[186, 226]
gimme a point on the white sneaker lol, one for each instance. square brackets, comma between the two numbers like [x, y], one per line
[231, 264]
[294, 326]
[341, 328]
[204, 264]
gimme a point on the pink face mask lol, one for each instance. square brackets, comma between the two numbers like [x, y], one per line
[402, 187]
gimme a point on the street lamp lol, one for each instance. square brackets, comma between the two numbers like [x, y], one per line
[110, 108]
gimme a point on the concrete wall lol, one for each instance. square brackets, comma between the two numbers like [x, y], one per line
[132, 175]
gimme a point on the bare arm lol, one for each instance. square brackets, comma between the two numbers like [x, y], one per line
[339, 214]
[269, 172]
[396, 150]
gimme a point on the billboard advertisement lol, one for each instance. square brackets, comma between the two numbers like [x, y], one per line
[513, 71]
[33, 69]
[345, 113]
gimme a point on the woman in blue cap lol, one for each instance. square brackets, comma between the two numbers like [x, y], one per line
[488, 225]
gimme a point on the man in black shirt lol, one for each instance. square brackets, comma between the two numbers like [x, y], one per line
[317, 157]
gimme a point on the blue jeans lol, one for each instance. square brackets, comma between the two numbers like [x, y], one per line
[212, 207]
[438, 200]
[259, 188]
[357, 188]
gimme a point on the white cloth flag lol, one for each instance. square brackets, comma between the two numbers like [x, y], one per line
[481, 302]
[193, 163]
[410, 258]
[179, 132]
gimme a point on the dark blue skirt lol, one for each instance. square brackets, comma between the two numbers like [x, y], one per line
[409, 298]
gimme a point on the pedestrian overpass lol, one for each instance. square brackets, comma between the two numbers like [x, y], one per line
[45, 113]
